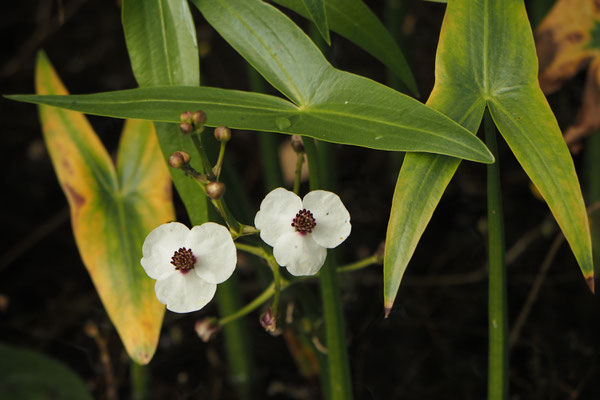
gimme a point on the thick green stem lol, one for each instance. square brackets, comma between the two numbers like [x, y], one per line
[140, 380]
[497, 304]
[339, 383]
[592, 192]
[298, 177]
[267, 141]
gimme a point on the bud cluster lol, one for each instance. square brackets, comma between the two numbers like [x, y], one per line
[192, 121]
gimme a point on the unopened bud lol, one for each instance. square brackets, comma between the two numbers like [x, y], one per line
[297, 144]
[179, 159]
[198, 118]
[215, 190]
[207, 328]
[269, 321]
[186, 128]
[186, 117]
[222, 134]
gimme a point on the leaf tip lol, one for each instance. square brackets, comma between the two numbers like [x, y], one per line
[388, 310]
[591, 283]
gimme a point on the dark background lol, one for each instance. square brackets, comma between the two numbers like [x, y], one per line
[434, 345]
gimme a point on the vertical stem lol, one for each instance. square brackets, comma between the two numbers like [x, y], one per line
[339, 383]
[140, 379]
[267, 141]
[239, 355]
[497, 304]
[592, 190]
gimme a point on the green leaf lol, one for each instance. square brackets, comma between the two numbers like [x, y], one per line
[162, 46]
[112, 211]
[486, 56]
[380, 119]
[161, 42]
[29, 375]
[318, 15]
[356, 22]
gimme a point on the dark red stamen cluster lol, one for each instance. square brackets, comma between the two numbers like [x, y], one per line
[304, 222]
[183, 260]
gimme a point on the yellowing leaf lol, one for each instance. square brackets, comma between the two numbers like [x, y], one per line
[568, 40]
[112, 210]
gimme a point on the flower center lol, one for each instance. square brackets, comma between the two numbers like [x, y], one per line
[183, 260]
[304, 222]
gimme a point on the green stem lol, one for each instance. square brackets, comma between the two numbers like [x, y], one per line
[339, 383]
[497, 303]
[299, 162]
[140, 380]
[219, 165]
[197, 139]
[267, 141]
[248, 308]
[592, 171]
[360, 264]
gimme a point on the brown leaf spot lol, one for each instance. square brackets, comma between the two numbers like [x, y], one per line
[591, 284]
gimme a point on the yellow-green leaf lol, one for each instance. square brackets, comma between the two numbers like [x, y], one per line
[112, 210]
[486, 57]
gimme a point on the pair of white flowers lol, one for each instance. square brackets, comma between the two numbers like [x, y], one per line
[188, 264]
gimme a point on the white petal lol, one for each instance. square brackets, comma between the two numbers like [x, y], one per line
[159, 247]
[214, 250]
[333, 219]
[276, 213]
[299, 253]
[183, 293]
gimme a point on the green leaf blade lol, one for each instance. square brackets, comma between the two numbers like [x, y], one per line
[161, 42]
[355, 21]
[384, 119]
[318, 15]
[534, 137]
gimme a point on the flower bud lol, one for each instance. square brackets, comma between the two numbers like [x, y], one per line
[179, 159]
[198, 118]
[215, 190]
[269, 321]
[207, 328]
[186, 128]
[297, 144]
[186, 117]
[222, 134]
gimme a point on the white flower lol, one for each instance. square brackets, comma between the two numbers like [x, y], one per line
[188, 264]
[300, 230]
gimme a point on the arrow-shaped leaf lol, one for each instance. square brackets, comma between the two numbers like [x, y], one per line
[112, 211]
[486, 55]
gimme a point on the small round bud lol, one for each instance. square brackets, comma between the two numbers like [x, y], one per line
[186, 128]
[207, 328]
[198, 117]
[222, 134]
[215, 190]
[269, 321]
[297, 144]
[179, 159]
[186, 117]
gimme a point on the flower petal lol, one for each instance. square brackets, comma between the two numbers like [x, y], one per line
[277, 210]
[332, 217]
[159, 247]
[299, 253]
[183, 293]
[214, 250]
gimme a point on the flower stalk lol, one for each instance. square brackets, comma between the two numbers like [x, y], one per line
[339, 385]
